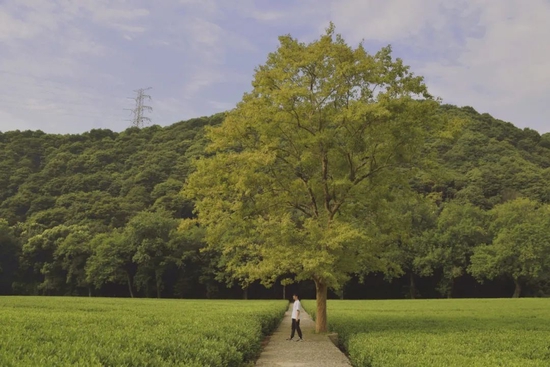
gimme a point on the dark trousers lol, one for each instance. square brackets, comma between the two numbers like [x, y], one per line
[296, 327]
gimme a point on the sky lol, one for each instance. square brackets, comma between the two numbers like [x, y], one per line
[68, 66]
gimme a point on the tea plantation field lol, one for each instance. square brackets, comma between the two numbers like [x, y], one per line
[63, 331]
[406, 333]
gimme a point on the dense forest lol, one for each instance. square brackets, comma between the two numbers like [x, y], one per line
[99, 214]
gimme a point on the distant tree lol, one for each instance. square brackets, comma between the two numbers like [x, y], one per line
[459, 229]
[111, 261]
[73, 253]
[520, 248]
[150, 234]
[416, 219]
[186, 244]
[39, 260]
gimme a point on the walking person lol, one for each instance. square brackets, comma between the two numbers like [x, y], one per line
[296, 318]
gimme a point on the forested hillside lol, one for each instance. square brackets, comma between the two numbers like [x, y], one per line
[70, 202]
[98, 214]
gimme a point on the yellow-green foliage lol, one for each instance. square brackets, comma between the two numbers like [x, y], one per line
[124, 332]
[488, 332]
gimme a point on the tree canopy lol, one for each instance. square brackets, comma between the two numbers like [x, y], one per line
[298, 168]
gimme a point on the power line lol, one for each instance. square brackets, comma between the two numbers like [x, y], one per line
[139, 118]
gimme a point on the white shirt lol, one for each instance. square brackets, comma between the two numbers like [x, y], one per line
[295, 308]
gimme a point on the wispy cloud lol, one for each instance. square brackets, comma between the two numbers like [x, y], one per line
[221, 106]
[490, 55]
[68, 66]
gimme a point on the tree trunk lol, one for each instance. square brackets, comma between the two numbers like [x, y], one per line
[284, 291]
[89, 291]
[451, 288]
[158, 282]
[321, 315]
[245, 293]
[412, 286]
[130, 285]
[517, 290]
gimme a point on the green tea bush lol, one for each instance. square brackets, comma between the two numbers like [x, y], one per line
[482, 333]
[57, 331]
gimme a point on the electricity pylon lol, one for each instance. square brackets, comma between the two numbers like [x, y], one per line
[138, 120]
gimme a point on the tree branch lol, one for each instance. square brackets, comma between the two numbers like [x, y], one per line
[369, 174]
[328, 198]
[300, 208]
[311, 195]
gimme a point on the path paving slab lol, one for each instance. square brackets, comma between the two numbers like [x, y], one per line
[317, 350]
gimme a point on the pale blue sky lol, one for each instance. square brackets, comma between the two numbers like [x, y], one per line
[67, 66]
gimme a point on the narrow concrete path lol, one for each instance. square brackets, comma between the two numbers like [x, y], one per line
[315, 351]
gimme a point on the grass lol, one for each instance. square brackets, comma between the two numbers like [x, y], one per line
[63, 331]
[462, 332]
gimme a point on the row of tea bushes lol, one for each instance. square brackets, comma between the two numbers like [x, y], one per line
[454, 333]
[63, 331]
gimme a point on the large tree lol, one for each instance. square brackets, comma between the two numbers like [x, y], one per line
[520, 249]
[297, 171]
